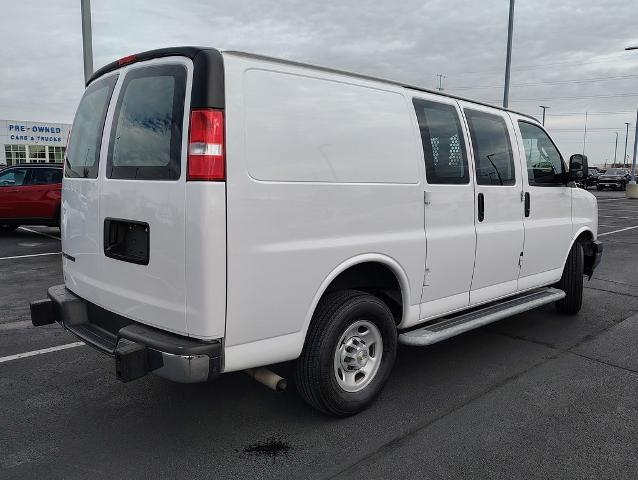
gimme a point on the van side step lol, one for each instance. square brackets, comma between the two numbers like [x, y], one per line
[450, 326]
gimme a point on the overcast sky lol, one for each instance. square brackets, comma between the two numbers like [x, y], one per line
[567, 54]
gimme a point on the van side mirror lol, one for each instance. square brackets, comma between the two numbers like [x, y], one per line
[578, 167]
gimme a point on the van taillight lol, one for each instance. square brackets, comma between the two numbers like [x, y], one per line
[206, 145]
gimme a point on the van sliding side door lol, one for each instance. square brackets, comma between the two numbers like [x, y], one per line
[449, 206]
[499, 216]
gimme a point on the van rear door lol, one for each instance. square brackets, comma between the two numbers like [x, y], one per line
[142, 198]
[124, 235]
[81, 239]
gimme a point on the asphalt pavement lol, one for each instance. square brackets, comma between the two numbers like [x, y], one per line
[538, 395]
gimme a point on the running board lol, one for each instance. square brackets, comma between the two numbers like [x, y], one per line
[450, 326]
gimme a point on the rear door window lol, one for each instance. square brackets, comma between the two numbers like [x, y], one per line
[86, 134]
[493, 157]
[45, 176]
[146, 136]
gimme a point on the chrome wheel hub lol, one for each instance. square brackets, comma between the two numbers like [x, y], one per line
[358, 356]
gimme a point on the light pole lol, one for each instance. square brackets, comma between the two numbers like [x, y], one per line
[544, 107]
[585, 134]
[508, 59]
[87, 39]
[633, 162]
[616, 148]
[624, 158]
[441, 77]
[632, 188]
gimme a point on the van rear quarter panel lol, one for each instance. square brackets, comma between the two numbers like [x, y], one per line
[321, 168]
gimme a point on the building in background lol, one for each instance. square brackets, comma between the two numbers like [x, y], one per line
[32, 142]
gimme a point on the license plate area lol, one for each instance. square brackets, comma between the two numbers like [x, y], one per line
[126, 240]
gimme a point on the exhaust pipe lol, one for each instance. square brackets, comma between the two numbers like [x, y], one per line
[268, 378]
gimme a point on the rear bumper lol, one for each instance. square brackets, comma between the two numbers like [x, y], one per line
[136, 348]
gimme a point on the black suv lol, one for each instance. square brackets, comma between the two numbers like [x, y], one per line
[614, 178]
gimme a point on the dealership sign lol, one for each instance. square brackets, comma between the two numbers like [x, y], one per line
[29, 132]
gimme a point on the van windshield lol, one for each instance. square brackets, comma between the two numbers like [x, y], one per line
[86, 134]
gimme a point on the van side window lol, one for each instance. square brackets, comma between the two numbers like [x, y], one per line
[443, 145]
[544, 163]
[492, 149]
[146, 137]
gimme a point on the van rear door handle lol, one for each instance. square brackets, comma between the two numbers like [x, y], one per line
[481, 207]
[527, 204]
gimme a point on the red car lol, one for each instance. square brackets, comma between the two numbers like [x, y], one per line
[30, 195]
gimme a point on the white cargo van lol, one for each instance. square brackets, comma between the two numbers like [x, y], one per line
[224, 211]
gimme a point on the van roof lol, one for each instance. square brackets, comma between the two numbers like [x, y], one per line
[192, 52]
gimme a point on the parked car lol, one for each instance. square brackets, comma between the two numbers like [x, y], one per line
[614, 178]
[234, 211]
[30, 195]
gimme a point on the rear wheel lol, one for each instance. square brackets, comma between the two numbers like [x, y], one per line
[571, 282]
[349, 352]
[599, 187]
[8, 228]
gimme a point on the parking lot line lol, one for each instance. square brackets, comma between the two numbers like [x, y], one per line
[615, 216]
[39, 233]
[40, 352]
[617, 231]
[32, 255]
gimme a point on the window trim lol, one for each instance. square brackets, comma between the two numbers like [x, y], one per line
[465, 180]
[562, 160]
[92, 171]
[475, 156]
[173, 170]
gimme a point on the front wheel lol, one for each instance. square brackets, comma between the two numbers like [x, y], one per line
[349, 353]
[8, 228]
[599, 187]
[571, 282]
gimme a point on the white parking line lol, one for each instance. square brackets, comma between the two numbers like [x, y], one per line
[40, 352]
[40, 233]
[32, 255]
[616, 231]
[614, 216]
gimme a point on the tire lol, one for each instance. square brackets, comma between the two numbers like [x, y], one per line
[571, 282]
[331, 336]
[624, 186]
[599, 187]
[8, 228]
